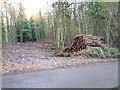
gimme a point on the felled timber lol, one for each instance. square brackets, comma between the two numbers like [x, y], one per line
[92, 40]
[81, 42]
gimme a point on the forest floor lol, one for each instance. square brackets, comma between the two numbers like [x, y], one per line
[38, 56]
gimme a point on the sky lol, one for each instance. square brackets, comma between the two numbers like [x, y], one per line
[33, 6]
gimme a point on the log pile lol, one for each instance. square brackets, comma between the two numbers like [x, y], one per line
[94, 41]
[81, 42]
[77, 45]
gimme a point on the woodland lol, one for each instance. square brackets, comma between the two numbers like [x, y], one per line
[60, 29]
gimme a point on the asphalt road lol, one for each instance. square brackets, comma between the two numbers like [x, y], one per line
[98, 75]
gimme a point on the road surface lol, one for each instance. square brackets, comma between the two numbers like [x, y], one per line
[97, 75]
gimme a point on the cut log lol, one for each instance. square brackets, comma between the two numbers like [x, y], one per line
[80, 42]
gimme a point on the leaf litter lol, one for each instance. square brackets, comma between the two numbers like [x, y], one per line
[38, 56]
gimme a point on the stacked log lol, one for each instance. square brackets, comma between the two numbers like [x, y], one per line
[80, 42]
[94, 41]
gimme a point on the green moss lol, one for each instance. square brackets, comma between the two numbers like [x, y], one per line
[58, 51]
[88, 49]
[96, 50]
[99, 50]
[112, 51]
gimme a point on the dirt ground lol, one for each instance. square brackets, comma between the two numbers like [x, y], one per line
[38, 56]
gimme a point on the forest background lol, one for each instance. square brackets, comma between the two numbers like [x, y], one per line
[61, 23]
